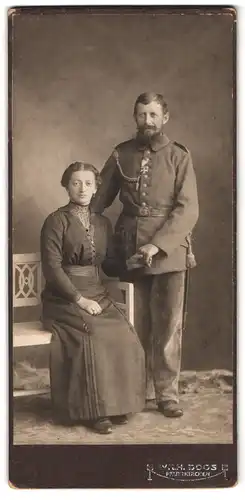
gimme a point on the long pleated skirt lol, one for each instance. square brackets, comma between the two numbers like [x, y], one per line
[97, 363]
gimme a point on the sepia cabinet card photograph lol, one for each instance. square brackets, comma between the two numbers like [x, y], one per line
[122, 229]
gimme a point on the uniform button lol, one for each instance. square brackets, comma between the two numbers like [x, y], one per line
[145, 185]
[143, 194]
[146, 176]
[143, 204]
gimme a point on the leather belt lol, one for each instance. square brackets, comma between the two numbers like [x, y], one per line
[146, 211]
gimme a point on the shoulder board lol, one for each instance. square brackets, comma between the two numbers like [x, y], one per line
[181, 146]
[124, 144]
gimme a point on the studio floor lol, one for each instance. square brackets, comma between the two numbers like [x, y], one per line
[208, 418]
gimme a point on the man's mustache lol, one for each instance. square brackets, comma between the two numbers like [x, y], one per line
[145, 127]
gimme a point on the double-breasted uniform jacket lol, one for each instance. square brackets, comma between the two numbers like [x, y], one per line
[158, 191]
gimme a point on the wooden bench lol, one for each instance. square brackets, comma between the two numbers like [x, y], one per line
[27, 285]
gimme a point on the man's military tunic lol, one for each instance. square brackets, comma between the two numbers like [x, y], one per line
[157, 188]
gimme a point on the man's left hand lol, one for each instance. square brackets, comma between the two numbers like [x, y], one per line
[148, 251]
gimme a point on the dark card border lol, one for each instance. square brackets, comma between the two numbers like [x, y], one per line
[116, 466]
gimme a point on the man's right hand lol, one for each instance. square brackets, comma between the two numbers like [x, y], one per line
[91, 306]
[148, 251]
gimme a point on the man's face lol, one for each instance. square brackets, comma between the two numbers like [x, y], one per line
[150, 118]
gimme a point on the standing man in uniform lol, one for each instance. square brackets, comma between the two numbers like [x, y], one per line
[156, 183]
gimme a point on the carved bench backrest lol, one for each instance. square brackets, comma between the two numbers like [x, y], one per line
[27, 284]
[27, 277]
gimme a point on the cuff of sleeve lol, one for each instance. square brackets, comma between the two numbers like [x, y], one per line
[158, 242]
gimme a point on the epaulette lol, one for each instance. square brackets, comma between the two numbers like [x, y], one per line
[181, 146]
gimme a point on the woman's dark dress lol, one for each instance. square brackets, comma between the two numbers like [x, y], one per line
[100, 369]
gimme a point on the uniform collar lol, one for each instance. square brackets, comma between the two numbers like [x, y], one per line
[156, 143]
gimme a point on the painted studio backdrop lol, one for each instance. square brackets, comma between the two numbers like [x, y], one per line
[75, 80]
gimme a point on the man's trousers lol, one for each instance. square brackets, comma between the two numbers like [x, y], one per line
[159, 303]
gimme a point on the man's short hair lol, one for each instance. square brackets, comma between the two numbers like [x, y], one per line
[148, 97]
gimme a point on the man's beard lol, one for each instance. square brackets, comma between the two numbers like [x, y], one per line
[146, 134]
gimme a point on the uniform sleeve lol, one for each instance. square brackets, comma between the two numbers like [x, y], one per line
[184, 215]
[111, 265]
[109, 187]
[51, 257]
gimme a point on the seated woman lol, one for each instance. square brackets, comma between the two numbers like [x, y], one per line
[97, 361]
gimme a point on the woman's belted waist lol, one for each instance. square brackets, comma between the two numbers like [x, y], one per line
[146, 211]
[89, 271]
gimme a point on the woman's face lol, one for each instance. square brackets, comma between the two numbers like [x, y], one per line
[81, 187]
